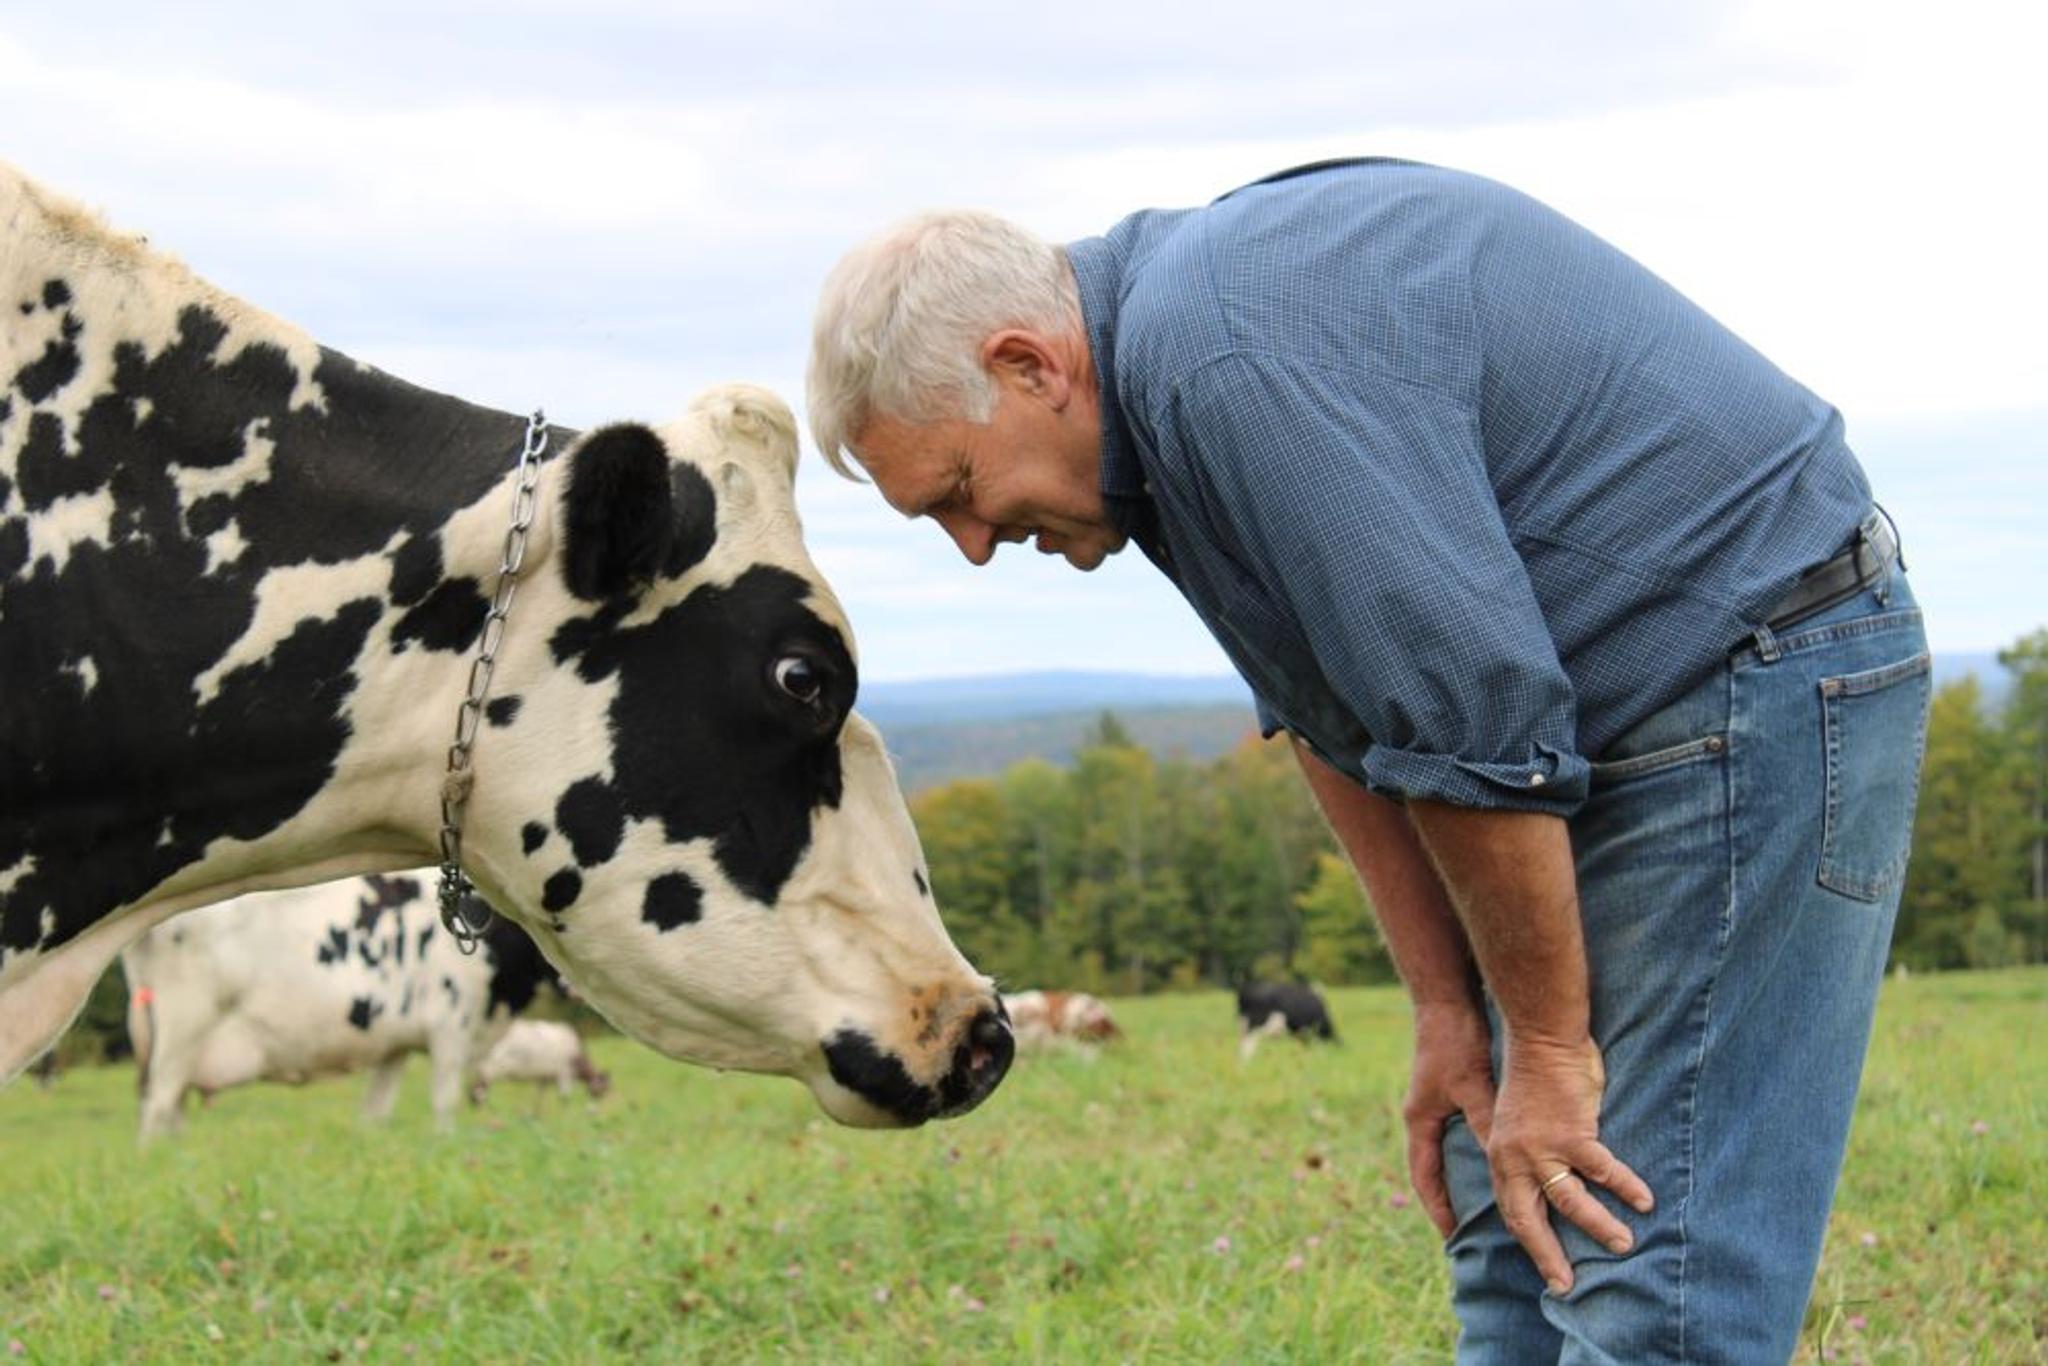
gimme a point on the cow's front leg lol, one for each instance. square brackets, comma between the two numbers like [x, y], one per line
[382, 1095]
[451, 1061]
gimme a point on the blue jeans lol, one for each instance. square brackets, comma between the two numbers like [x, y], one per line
[1739, 866]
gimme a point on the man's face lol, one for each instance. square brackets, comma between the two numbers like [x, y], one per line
[1031, 472]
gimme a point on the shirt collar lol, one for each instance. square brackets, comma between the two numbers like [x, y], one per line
[1098, 266]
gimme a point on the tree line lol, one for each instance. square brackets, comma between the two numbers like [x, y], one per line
[1128, 873]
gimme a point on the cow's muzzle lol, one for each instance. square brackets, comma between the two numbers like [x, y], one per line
[981, 1056]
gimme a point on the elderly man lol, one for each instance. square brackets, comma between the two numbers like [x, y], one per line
[1592, 644]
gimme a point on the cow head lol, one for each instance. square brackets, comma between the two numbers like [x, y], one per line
[675, 797]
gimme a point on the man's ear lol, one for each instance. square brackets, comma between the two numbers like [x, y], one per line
[1027, 361]
[619, 516]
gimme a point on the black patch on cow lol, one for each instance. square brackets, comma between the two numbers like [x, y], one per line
[578, 635]
[56, 294]
[518, 970]
[415, 569]
[448, 986]
[13, 545]
[917, 876]
[113, 791]
[559, 893]
[448, 619]
[209, 515]
[619, 521]
[673, 900]
[532, 836]
[719, 752]
[591, 818]
[49, 372]
[860, 1067]
[364, 1010]
[426, 938]
[405, 1001]
[696, 517]
[334, 949]
[502, 711]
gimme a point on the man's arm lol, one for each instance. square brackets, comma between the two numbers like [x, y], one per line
[1452, 1071]
[1511, 880]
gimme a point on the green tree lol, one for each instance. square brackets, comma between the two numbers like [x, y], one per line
[1340, 939]
[962, 826]
[2025, 726]
[1965, 862]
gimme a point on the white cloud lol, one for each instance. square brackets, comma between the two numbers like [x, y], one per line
[601, 208]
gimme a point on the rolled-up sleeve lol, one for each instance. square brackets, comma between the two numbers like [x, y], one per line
[1359, 504]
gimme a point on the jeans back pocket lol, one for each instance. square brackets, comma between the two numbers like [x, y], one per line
[1876, 727]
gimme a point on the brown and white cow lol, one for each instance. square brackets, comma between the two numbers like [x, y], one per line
[1048, 1019]
[242, 579]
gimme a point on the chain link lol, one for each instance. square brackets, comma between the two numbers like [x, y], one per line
[463, 915]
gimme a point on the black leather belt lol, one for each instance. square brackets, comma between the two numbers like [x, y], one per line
[1866, 559]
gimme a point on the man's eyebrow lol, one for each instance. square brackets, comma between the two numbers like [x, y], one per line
[923, 508]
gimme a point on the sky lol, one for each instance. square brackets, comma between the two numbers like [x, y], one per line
[601, 206]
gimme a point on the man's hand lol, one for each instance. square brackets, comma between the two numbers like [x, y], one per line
[1545, 1153]
[1452, 1074]
[1511, 880]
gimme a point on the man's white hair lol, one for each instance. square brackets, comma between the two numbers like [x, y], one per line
[902, 318]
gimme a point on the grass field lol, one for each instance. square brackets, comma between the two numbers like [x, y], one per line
[1162, 1203]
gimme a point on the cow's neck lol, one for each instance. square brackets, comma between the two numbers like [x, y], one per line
[255, 569]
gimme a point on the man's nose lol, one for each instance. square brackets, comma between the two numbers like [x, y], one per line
[976, 538]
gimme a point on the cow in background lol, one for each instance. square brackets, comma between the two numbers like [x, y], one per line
[1047, 1019]
[245, 585]
[546, 1052]
[1268, 1009]
[341, 977]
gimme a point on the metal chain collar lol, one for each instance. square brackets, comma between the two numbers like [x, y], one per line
[457, 899]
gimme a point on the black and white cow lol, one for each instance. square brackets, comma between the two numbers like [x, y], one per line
[241, 582]
[1265, 1009]
[303, 983]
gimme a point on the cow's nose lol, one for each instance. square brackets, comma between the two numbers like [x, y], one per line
[980, 1060]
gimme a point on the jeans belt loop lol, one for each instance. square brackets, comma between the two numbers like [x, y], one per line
[1767, 646]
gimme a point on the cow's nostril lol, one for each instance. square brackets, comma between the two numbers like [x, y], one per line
[989, 1037]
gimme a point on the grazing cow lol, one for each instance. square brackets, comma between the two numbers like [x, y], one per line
[339, 977]
[1046, 1019]
[244, 581]
[1265, 1009]
[547, 1052]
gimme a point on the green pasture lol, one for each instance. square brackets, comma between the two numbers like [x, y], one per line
[1162, 1203]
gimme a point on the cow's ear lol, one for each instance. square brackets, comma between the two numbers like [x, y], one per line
[619, 513]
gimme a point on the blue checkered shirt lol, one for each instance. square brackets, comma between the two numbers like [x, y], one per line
[1463, 491]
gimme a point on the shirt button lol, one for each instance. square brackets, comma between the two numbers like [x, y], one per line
[1147, 486]
[1535, 780]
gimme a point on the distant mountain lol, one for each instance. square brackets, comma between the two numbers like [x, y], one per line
[1991, 676]
[927, 755]
[1008, 696]
[940, 729]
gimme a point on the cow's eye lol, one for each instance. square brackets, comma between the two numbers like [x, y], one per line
[800, 677]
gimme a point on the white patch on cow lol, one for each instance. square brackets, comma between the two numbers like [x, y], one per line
[252, 466]
[10, 878]
[224, 547]
[87, 673]
[142, 407]
[125, 293]
[83, 519]
[284, 598]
